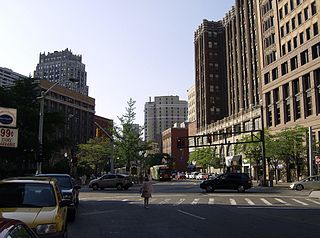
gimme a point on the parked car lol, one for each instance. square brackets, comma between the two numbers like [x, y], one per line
[235, 181]
[69, 191]
[312, 182]
[11, 228]
[202, 176]
[181, 175]
[119, 181]
[38, 202]
[193, 175]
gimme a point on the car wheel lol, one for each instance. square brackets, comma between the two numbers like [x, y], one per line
[95, 186]
[119, 186]
[299, 187]
[241, 189]
[209, 189]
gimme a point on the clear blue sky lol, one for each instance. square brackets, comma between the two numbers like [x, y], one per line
[131, 48]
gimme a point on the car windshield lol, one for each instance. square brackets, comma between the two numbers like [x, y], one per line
[26, 195]
[64, 182]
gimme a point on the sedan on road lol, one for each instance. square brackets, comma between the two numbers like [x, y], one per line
[118, 181]
[11, 228]
[312, 182]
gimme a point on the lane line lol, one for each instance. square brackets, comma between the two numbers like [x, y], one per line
[298, 201]
[283, 202]
[249, 201]
[180, 201]
[211, 201]
[187, 213]
[165, 201]
[195, 201]
[266, 201]
[313, 201]
[232, 201]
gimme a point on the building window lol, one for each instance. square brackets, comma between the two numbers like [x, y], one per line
[296, 99]
[306, 14]
[286, 9]
[293, 23]
[283, 49]
[313, 8]
[282, 31]
[266, 78]
[308, 33]
[286, 99]
[316, 51]
[304, 57]
[269, 109]
[307, 94]
[284, 68]
[301, 37]
[294, 63]
[287, 28]
[316, 75]
[274, 73]
[315, 29]
[299, 18]
[280, 13]
[298, 2]
[276, 100]
[289, 45]
[295, 42]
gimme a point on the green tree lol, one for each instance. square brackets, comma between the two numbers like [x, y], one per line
[205, 157]
[129, 148]
[93, 156]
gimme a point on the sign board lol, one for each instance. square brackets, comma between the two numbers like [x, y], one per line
[8, 137]
[8, 117]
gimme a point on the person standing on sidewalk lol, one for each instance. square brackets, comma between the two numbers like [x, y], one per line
[146, 190]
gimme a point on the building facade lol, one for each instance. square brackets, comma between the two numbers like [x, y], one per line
[65, 68]
[161, 114]
[290, 56]
[210, 73]
[192, 113]
[9, 77]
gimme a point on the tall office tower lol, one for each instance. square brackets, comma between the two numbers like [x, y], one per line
[9, 77]
[210, 73]
[290, 55]
[192, 104]
[162, 114]
[63, 67]
[242, 57]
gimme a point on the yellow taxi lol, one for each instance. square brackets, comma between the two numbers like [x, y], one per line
[37, 201]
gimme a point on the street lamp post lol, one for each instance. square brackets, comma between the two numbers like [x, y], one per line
[263, 149]
[40, 135]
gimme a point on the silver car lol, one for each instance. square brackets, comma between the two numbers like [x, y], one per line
[312, 182]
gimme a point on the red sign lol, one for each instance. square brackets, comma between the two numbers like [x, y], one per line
[8, 137]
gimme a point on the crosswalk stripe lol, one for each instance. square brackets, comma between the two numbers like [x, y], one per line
[313, 201]
[283, 202]
[181, 200]
[124, 200]
[249, 201]
[211, 201]
[266, 201]
[303, 203]
[232, 201]
[165, 201]
[195, 201]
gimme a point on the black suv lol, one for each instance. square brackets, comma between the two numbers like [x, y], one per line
[235, 181]
[69, 191]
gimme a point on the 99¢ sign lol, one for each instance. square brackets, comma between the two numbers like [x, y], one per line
[8, 137]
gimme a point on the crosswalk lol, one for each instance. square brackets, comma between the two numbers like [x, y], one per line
[231, 201]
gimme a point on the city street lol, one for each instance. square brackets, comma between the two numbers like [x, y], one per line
[182, 209]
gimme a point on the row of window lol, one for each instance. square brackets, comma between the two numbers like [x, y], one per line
[304, 58]
[284, 11]
[295, 104]
[302, 36]
[285, 29]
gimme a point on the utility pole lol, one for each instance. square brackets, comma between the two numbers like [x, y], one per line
[263, 149]
[40, 135]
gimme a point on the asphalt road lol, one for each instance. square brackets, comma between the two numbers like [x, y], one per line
[181, 209]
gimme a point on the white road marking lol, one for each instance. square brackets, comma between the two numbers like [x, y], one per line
[181, 200]
[124, 200]
[211, 201]
[195, 201]
[266, 201]
[249, 201]
[303, 203]
[283, 202]
[313, 201]
[233, 202]
[187, 213]
[165, 201]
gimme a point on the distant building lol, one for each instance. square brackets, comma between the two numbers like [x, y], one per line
[63, 67]
[210, 73]
[192, 113]
[169, 141]
[9, 77]
[162, 114]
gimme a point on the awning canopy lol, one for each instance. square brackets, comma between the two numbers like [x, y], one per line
[233, 160]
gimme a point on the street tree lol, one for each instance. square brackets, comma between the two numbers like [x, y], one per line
[129, 147]
[205, 157]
